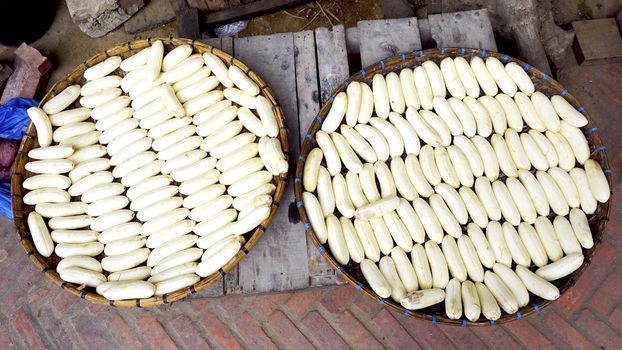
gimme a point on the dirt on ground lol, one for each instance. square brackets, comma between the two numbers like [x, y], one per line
[322, 13]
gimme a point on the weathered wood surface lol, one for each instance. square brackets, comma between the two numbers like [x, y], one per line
[279, 261]
[249, 10]
[597, 41]
[332, 59]
[384, 38]
[303, 69]
[187, 20]
[463, 29]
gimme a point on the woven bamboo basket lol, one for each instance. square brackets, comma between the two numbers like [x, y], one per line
[543, 83]
[21, 210]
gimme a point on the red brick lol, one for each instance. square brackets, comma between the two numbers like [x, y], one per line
[463, 337]
[233, 304]
[264, 304]
[301, 302]
[287, 332]
[62, 334]
[27, 331]
[603, 336]
[252, 334]
[324, 334]
[554, 324]
[615, 320]
[94, 309]
[154, 333]
[574, 297]
[496, 338]
[5, 340]
[219, 331]
[33, 58]
[366, 304]
[607, 294]
[428, 333]
[63, 301]
[354, 332]
[528, 335]
[392, 331]
[337, 298]
[189, 334]
[92, 332]
[121, 331]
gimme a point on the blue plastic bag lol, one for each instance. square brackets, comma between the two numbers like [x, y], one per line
[13, 123]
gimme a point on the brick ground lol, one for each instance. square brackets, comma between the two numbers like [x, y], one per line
[37, 314]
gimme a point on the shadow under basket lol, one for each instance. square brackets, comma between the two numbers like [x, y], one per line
[21, 210]
[543, 83]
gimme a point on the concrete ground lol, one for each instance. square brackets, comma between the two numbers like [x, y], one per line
[36, 314]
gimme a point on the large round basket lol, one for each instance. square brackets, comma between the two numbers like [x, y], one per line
[543, 83]
[21, 210]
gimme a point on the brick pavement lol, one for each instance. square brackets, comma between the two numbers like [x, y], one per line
[34, 313]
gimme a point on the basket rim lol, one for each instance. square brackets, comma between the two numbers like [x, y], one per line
[20, 214]
[411, 60]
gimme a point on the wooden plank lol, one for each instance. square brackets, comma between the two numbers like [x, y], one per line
[215, 42]
[424, 34]
[597, 41]
[154, 14]
[353, 42]
[463, 29]
[386, 38]
[320, 273]
[332, 59]
[249, 10]
[279, 260]
[187, 20]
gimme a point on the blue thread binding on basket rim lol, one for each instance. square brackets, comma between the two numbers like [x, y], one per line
[483, 53]
[346, 83]
[545, 76]
[308, 136]
[421, 53]
[321, 249]
[382, 64]
[519, 315]
[463, 323]
[359, 286]
[403, 57]
[331, 99]
[601, 148]
[506, 58]
[296, 180]
[592, 130]
[536, 308]
[580, 109]
[301, 157]
[381, 301]
[299, 204]
[526, 66]
[318, 118]
[442, 50]
[607, 170]
[462, 50]
[492, 323]
[564, 92]
[406, 313]
[363, 73]
[433, 319]
[307, 226]
[340, 269]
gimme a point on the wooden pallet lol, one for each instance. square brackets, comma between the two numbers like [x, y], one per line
[302, 69]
